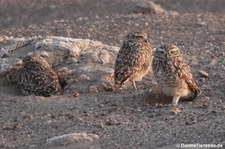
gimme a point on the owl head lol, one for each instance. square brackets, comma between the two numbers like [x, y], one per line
[37, 59]
[167, 51]
[137, 35]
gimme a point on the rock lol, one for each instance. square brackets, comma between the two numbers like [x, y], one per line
[14, 127]
[159, 105]
[111, 121]
[107, 87]
[76, 94]
[93, 89]
[70, 115]
[205, 103]
[203, 74]
[86, 61]
[74, 139]
[149, 7]
[1, 39]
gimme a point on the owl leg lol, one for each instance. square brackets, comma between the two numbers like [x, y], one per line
[175, 100]
[25, 92]
[134, 85]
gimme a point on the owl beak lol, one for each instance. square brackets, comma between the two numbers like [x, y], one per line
[167, 55]
[153, 51]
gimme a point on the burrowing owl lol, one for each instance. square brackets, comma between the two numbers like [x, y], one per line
[173, 74]
[134, 59]
[36, 76]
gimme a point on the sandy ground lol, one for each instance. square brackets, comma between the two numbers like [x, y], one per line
[120, 119]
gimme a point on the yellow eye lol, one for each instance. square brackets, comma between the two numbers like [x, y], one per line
[161, 52]
[172, 52]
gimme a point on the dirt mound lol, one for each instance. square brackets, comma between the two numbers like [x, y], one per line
[85, 65]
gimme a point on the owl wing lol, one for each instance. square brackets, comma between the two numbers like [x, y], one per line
[184, 72]
[49, 84]
[130, 60]
[36, 78]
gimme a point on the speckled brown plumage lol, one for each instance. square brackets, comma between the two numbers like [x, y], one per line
[173, 74]
[133, 60]
[36, 76]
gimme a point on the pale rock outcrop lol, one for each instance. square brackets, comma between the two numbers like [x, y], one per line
[74, 140]
[83, 65]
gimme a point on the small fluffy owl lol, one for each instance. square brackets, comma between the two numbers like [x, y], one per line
[134, 59]
[173, 74]
[36, 76]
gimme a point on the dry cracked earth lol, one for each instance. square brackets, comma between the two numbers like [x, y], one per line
[119, 119]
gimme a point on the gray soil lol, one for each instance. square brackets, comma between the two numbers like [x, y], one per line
[121, 119]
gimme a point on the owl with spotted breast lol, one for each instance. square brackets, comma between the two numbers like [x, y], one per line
[37, 77]
[173, 75]
[133, 60]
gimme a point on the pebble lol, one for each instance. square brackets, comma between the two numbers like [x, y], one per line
[76, 94]
[93, 89]
[149, 6]
[205, 103]
[1, 39]
[72, 138]
[203, 74]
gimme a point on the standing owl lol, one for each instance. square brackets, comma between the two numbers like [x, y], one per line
[173, 74]
[134, 59]
[36, 76]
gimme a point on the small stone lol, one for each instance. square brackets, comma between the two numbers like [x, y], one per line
[188, 123]
[159, 105]
[76, 94]
[1, 39]
[93, 89]
[110, 122]
[205, 103]
[203, 74]
[149, 6]
[73, 138]
[107, 87]
[80, 119]
[63, 70]
[84, 77]
[166, 119]
[49, 122]
[28, 116]
[70, 115]
[15, 127]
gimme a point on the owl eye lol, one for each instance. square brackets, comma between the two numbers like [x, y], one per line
[172, 52]
[161, 52]
[26, 58]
